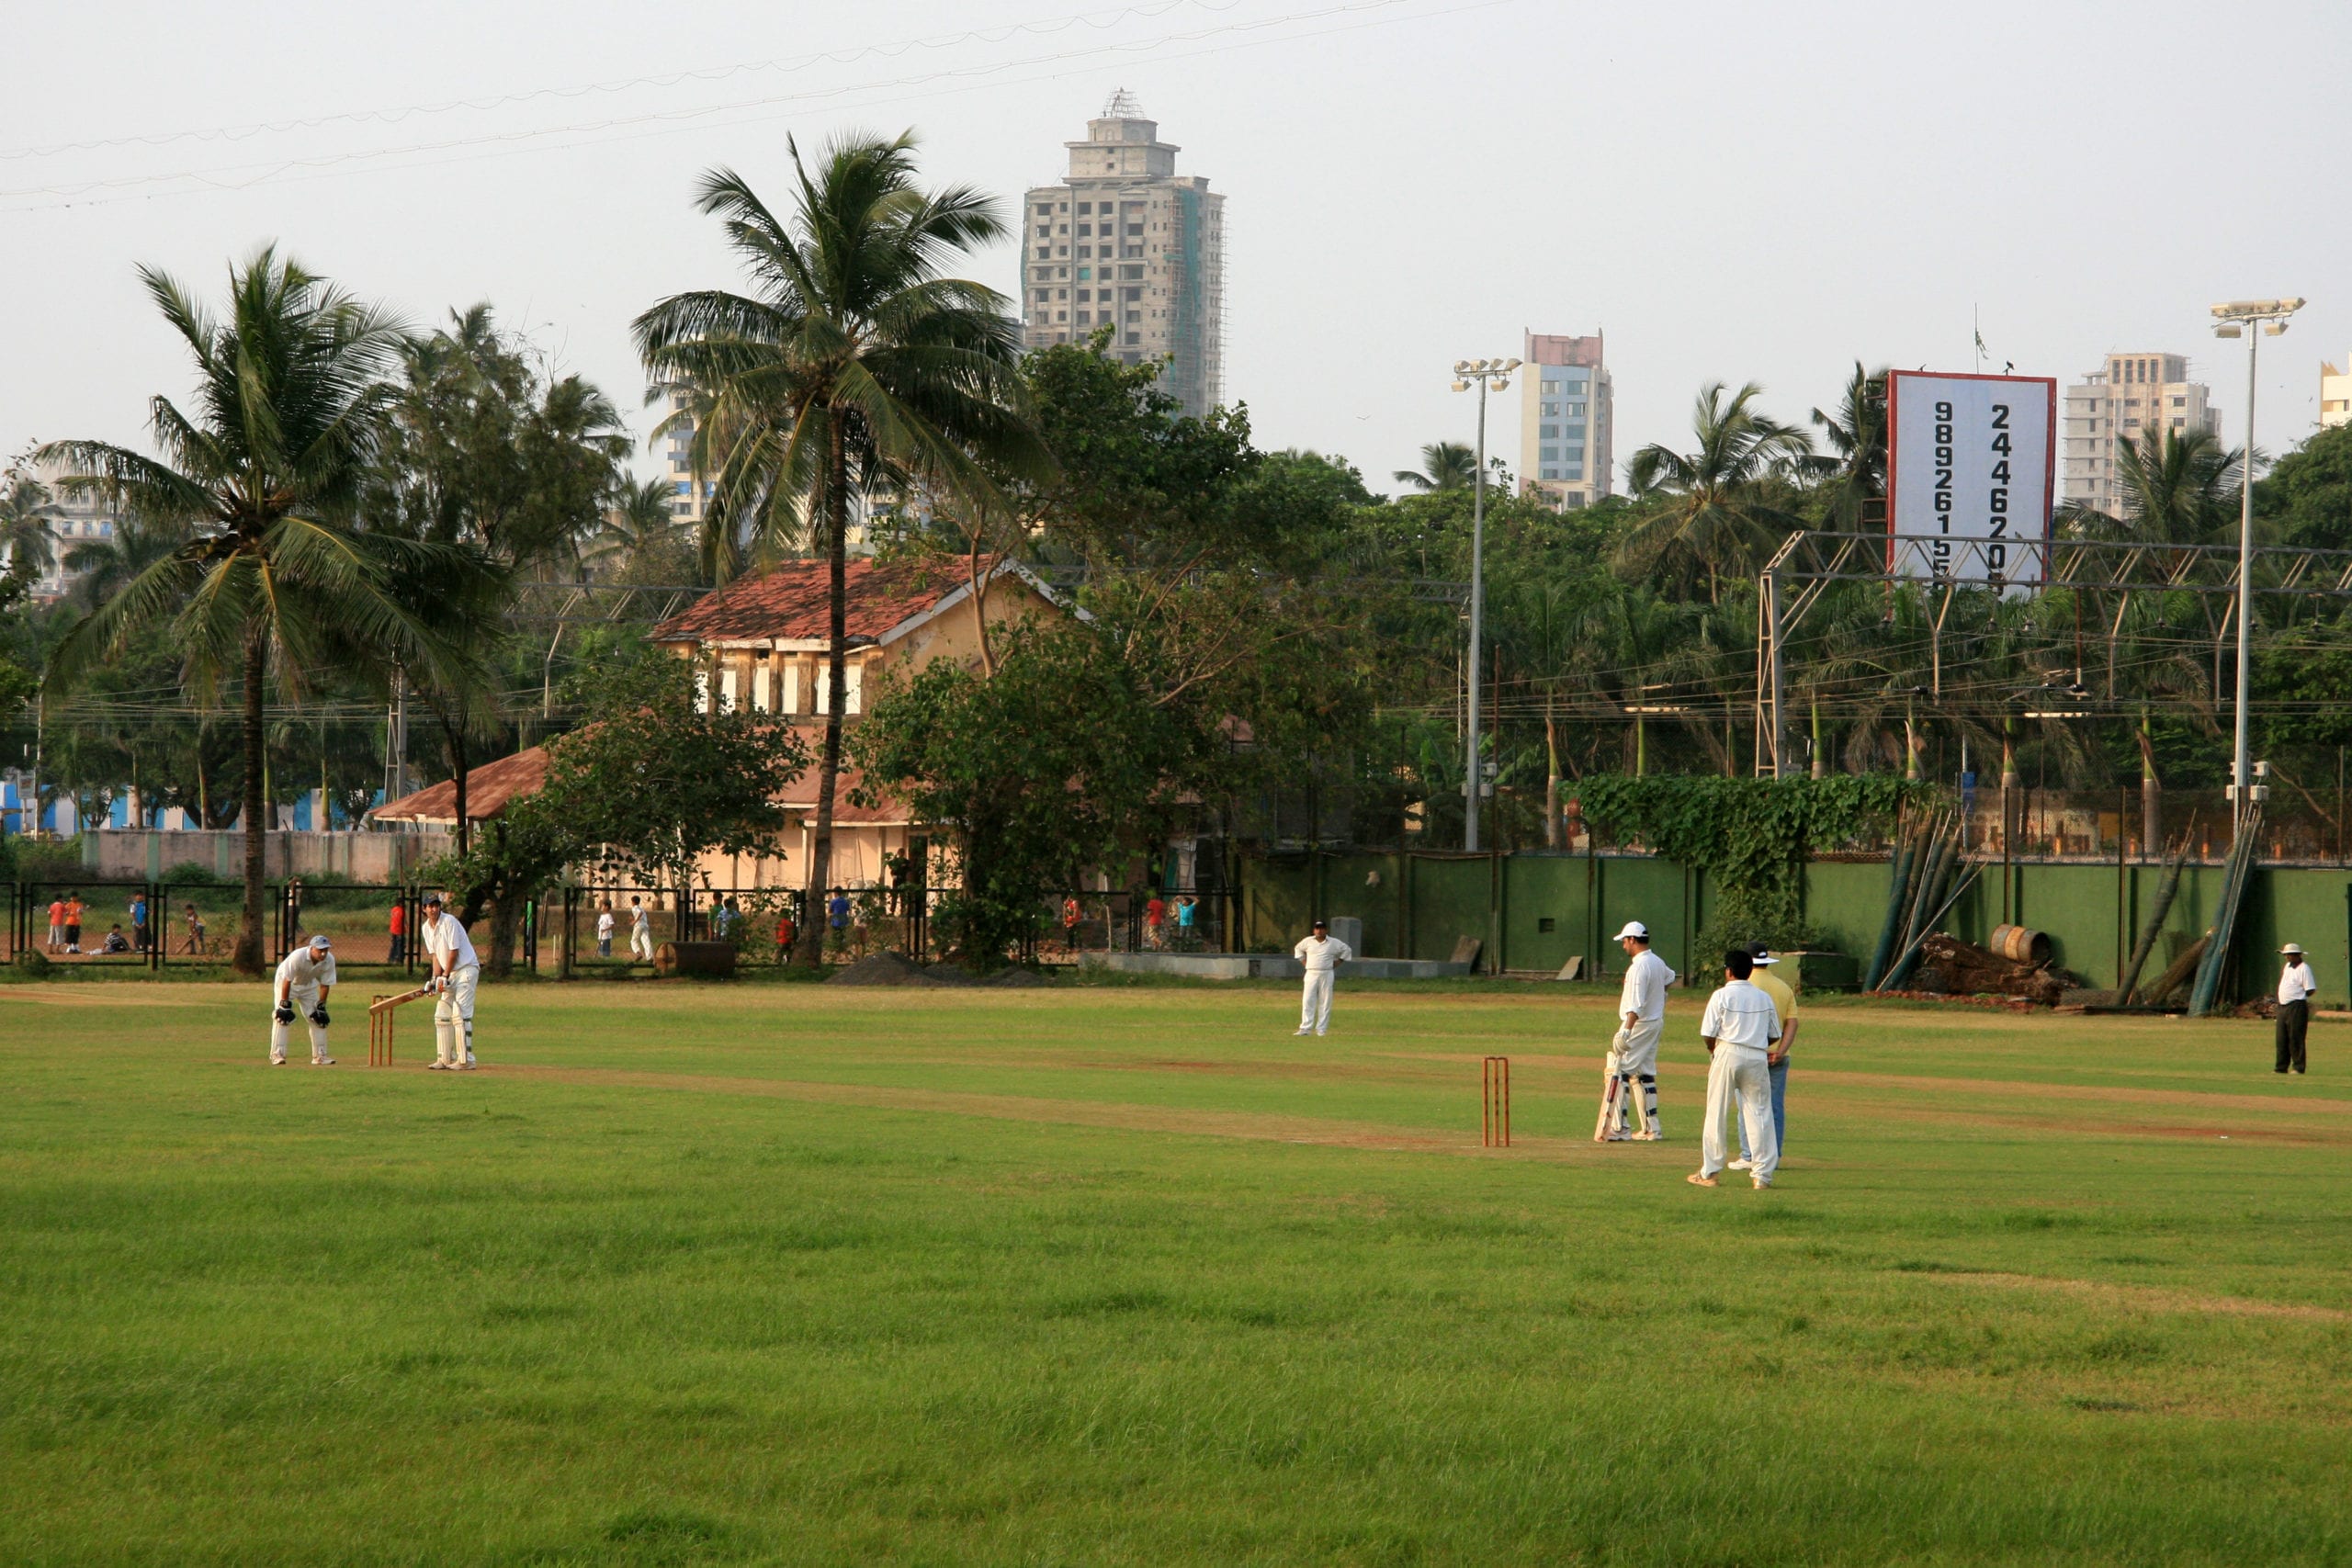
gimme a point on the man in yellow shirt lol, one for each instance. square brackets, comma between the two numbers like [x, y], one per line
[1784, 1000]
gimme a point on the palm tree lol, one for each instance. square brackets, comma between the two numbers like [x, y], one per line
[1853, 472]
[856, 364]
[640, 517]
[1716, 514]
[24, 511]
[271, 578]
[2178, 488]
[1445, 465]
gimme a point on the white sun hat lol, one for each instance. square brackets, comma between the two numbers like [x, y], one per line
[1634, 928]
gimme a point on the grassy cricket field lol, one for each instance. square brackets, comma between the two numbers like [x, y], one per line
[751, 1274]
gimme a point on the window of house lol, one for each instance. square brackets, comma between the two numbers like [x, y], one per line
[1551, 409]
[1086, 207]
[702, 691]
[1549, 455]
[759, 686]
[2180, 402]
[1085, 317]
[1134, 337]
[727, 700]
[1548, 431]
[1551, 473]
[1084, 230]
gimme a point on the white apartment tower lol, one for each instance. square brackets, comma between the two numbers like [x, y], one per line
[2138, 395]
[2334, 395]
[1126, 241]
[1564, 442]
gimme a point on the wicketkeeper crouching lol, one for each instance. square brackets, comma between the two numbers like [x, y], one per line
[456, 971]
[305, 976]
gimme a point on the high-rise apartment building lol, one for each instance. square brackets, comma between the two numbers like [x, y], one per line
[1126, 241]
[2138, 395]
[688, 495]
[2334, 395]
[1564, 450]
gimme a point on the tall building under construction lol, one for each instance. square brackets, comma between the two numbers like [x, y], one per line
[1126, 241]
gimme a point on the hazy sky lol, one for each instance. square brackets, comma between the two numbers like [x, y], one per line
[1732, 191]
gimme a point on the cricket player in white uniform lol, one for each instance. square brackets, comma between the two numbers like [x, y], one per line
[1739, 1026]
[456, 971]
[640, 932]
[1633, 1055]
[1320, 955]
[305, 976]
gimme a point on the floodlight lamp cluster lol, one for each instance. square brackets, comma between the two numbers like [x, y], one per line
[1495, 373]
[2231, 318]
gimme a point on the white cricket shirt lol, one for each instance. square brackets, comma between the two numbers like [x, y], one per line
[297, 969]
[1646, 981]
[447, 938]
[1740, 1014]
[1320, 957]
[2295, 983]
[605, 923]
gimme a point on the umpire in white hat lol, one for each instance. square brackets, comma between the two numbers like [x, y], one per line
[2295, 988]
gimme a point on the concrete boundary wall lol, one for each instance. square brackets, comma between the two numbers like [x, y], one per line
[1536, 911]
[142, 855]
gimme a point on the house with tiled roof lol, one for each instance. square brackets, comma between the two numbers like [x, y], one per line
[762, 643]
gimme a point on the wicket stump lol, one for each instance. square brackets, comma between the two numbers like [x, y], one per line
[379, 1032]
[1495, 1126]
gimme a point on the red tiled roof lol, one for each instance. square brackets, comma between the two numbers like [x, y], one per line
[788, 603]
[489, 789]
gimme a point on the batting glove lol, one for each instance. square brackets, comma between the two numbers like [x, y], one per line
[319, 1016]
[284, 1014]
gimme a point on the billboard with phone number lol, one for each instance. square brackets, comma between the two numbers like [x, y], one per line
[1971, 471]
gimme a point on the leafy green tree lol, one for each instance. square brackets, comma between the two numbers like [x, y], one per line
[273, 580]
[490, 453]
[856, 365]
[2306, 498]
[642, 790]
[1058, 764]
[1718, 515]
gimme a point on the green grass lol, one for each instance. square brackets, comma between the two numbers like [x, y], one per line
[696, 1274]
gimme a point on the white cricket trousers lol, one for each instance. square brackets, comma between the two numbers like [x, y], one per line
[640, 942]
[453, 1016]
[302, 999]
[1315, 1005]
[1740, 1073]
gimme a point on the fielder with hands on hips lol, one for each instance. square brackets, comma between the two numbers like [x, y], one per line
[455, 972]
[1633, 1055]
[1739, 1026]
[305, 976]
[1320, 955]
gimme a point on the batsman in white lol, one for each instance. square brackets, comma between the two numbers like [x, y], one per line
[1633, 1055]
[305, 976]
[1320, 954]
[456, 971]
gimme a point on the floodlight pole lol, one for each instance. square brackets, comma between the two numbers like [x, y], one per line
[2253, 317]
[2240, 774]
[1485, 373]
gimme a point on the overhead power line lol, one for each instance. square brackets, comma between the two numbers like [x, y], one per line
[242, 176]
[394, 115]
